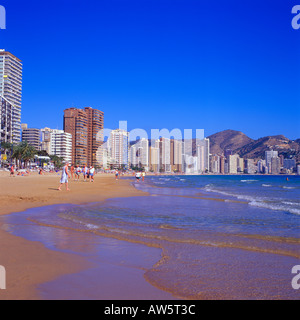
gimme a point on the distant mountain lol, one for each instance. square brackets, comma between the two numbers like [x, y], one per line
[246, 147]
[283, 145]
[228, 139]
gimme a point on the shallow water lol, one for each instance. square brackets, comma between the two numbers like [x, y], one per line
[220, 237]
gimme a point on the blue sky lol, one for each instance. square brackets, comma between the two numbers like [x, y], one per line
[185, 64]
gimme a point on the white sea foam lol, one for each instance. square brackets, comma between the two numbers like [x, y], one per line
[274, 206]
[266, 185]
[249, 180]
[91, 226]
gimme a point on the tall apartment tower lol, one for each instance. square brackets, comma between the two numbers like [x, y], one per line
[57, 142]
[32, 136]
[11, 90]
[84, 125]
[119, 148]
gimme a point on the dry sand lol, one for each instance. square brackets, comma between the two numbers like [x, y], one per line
[29, 263]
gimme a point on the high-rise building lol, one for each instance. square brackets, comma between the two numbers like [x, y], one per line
[118, 145]
[233, 164]
[32, 136]
[222, 164]
[85, 126]
[139, 154]
[214, 164]
[269, 155]
[57, 142]
[203, 152]
[11, 90]
[6, 125]
[154, 156]
[261, 165]
[176, 155]
[289, 164]
[61, 145]
[240, 165]
[250, 166]
[275, 165]
[165, 154]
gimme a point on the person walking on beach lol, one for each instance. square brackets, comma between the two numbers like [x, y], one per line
[12, 170]
[78, 171]
[72, 171]
[138, 176]
[64, 177]
[92, 172]
[117, 174]
[143, 175]
[85, 172]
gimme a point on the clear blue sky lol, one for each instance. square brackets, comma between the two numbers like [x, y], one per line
[191, 64]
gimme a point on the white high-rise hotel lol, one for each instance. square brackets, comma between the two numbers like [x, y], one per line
[118, 145]
[10, 97]
[57, 142]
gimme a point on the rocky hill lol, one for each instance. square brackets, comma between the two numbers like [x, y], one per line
[228, 139]
[246, 147]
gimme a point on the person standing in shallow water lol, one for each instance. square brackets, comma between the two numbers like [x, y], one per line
[64, 177]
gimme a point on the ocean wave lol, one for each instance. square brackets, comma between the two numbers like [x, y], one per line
[274, 206]
[285, 187]
[249, 180]
[266, 185]
[261, 202]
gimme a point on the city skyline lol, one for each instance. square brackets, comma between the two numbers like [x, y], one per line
[183, 64]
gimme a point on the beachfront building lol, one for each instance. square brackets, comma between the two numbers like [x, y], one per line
[233, 164]
[61, 145]
[6, 123]
[190, 164]
[176, 155]
[84, 125]
[250, 166]
[11, 91]
[104, 159]
[154, 156]
[119, 146]
[289, 164]
[165, 154]
[203, 154]
[268, 157]
[139, 154]
[222, 164]
[275, 166]
[32, 136]
[214, 164]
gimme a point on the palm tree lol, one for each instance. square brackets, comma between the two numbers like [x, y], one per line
[24, 152]
[6, 146]
[57, 161]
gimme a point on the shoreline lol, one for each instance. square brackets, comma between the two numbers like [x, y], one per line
[30, 264]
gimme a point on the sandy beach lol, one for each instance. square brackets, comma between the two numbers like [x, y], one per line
[28, 263]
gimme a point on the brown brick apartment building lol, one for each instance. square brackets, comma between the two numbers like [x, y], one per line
[84, 125]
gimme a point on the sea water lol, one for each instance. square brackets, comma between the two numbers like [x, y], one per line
[221, 237]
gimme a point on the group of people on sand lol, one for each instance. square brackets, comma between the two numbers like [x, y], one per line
[138, 175]
[88, 174]
[21, 172]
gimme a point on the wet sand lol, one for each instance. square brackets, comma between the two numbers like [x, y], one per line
[29, 264]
